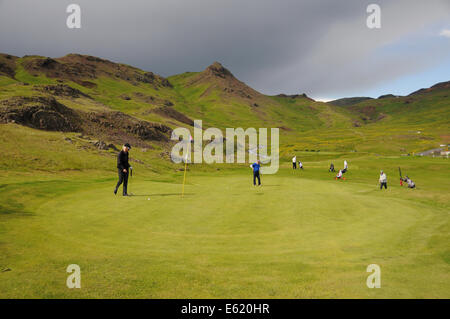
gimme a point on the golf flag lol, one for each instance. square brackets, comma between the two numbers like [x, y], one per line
[184, 175]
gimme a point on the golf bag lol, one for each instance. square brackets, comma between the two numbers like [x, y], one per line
[410, 183]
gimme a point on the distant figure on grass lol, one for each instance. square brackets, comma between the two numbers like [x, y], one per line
[331, 169]
[300, 164]
[383, 180]
[294, 162]
[340, 175]
[256, 166]
[409, 181]
[123, 167]
[345, 166]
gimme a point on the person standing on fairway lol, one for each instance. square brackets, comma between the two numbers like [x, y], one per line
[300, 164]
[123, 167]
[294, 162]
[331, 169]
[345, 167]
[383, 180]
[256, 166]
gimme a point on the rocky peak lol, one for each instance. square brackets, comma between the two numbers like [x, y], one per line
[217, 69]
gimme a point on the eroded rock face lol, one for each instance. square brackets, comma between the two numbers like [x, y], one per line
[60, 90]
[151, 78]
[118, 122]
[170, 112]
[83, 68]
[54, 69]
[46, 113]
[40, 112]
[152, 99]
[217, 77]
[219, 70]
[6, 69]
[7, 65]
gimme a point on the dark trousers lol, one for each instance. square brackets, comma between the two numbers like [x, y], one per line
[294, 165]
[123, 178]
[383, 184]
[256, 176]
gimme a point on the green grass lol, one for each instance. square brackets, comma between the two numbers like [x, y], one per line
[301, 235]
[23, 76]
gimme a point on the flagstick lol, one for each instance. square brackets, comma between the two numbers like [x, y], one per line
[184, 178]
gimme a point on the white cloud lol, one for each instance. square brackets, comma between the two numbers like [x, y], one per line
[445, 33]
[323, 99]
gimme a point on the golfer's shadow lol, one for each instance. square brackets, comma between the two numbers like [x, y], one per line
[166, 194]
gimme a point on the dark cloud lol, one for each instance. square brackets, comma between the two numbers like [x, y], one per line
[319, 46]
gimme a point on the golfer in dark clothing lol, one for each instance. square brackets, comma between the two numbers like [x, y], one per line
[256, 166]
[331, 168]
[123, 167]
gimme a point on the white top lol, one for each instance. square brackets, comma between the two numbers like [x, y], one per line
[383, 178]
[339, 174]
[294, 159]
[345, 164]
[300, 164]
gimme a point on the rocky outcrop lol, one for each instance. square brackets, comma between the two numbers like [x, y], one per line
[43, 113]
[118, 123]
[82, 69]
[217, 69]
[295, 96]
[7, 65]
[150, 99]
[217, 77]
[170, 112]
[60, 90]
[46, 113]
[438, 86]
[387, 96]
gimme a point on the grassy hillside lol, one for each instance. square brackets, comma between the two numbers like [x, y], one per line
[219, 99]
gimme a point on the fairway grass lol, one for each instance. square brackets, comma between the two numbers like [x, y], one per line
[300, 235]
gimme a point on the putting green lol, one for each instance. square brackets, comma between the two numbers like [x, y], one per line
[300, 235]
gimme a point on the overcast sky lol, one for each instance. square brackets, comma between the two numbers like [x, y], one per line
[320, 47]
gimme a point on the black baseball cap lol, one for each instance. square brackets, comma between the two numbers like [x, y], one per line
[127, 145]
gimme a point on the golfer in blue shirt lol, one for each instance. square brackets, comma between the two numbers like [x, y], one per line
[256, 166]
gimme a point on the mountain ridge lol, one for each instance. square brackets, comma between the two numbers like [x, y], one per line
[101, 88]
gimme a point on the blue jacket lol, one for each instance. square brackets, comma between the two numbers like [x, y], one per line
[256, 167]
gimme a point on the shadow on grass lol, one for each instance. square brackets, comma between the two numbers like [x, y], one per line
[166, 194]
[15, 210]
